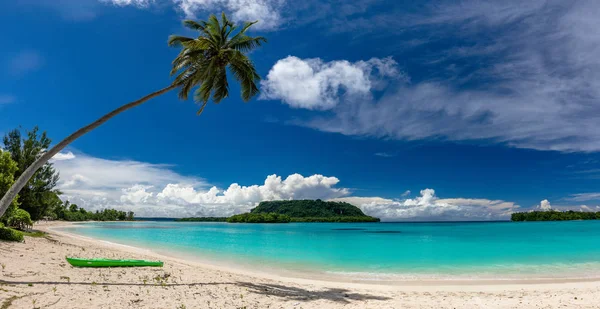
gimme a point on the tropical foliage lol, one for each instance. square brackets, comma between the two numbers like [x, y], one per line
[20, 219]
[314, 211]
[203, 219]
[35, 197]
[10, 234]
[8, 168]
[553, 215]
[204, 60]
[39, 199]
[71, 212]
[259, 218]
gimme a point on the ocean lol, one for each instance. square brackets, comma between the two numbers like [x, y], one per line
[374, 251]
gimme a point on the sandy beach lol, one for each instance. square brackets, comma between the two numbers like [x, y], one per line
[35, 275]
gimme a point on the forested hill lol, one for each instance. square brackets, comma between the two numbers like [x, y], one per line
[314, 210]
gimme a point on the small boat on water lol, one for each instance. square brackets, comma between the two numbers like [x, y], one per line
[112, 263]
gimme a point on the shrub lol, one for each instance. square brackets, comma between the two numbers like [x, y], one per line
[20, 219]
[10, 234]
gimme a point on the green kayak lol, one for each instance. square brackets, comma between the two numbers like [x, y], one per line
[111, 263]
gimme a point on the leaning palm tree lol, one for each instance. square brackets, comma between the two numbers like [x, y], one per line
[202, 63]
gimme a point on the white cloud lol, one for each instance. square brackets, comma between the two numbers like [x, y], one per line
[267, 12]
[64, 156]
[534, 83]
[582, 197]
[315, 84]
[544, 206]
[385, 154]
[140, 3]
[156, 190]
[429, 207]
[7, 99]
[24, 62]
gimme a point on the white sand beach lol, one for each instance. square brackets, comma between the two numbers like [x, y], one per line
[35, 275]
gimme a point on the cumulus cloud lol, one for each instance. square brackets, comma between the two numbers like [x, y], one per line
[536, 82]
[318, 85]
[544, 205]
[156, 190]
[429, 207]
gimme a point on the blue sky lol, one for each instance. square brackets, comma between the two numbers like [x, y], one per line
[440, 110]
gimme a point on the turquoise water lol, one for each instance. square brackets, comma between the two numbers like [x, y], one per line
[376, 250]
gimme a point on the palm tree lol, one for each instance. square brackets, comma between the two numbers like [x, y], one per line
[202, 62]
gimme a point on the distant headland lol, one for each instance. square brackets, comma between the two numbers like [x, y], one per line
[294, 211]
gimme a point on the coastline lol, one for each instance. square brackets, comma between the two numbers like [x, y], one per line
[313, 277]
[35, 271]
[277, 272]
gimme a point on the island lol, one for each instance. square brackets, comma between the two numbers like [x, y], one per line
[202, 219]
[294, 211]
[303, 211]
[553, 215]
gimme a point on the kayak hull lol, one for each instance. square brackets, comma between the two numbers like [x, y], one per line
[112, 263]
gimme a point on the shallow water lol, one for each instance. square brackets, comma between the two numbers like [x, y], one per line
[378, 251]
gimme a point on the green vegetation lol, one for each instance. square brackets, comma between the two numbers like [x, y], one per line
[38, 193]
[294, 211]
[203, 219]
[8, 168]
[35, 234]
[203, 62]
[20, 219]
[314, 211]
[301, 211]
[553, 215]
[337, 219]
[259, 218]
[10, 234]
[71, 212]
[39, 199]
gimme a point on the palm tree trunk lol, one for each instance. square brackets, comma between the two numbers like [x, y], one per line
[28, 173]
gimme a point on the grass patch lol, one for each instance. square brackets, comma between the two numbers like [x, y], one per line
[10, 234]
[35, 234]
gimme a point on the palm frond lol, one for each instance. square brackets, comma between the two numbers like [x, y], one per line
[176, 40]
[244, 71]
[203, 61]
[220, 86]
[246, 43]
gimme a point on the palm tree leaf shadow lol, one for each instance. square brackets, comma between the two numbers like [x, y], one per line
[300, 294]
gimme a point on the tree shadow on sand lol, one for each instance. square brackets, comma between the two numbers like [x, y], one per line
[276, 290]
[300, 294]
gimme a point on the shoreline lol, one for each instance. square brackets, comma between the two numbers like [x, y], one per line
[315, 277]
[35, 274]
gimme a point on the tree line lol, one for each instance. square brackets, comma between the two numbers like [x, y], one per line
[553, 215]
[39, 198]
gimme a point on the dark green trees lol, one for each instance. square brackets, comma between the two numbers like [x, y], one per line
[36, 196]
[314, 211]
[553, 215]
[259, 218]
